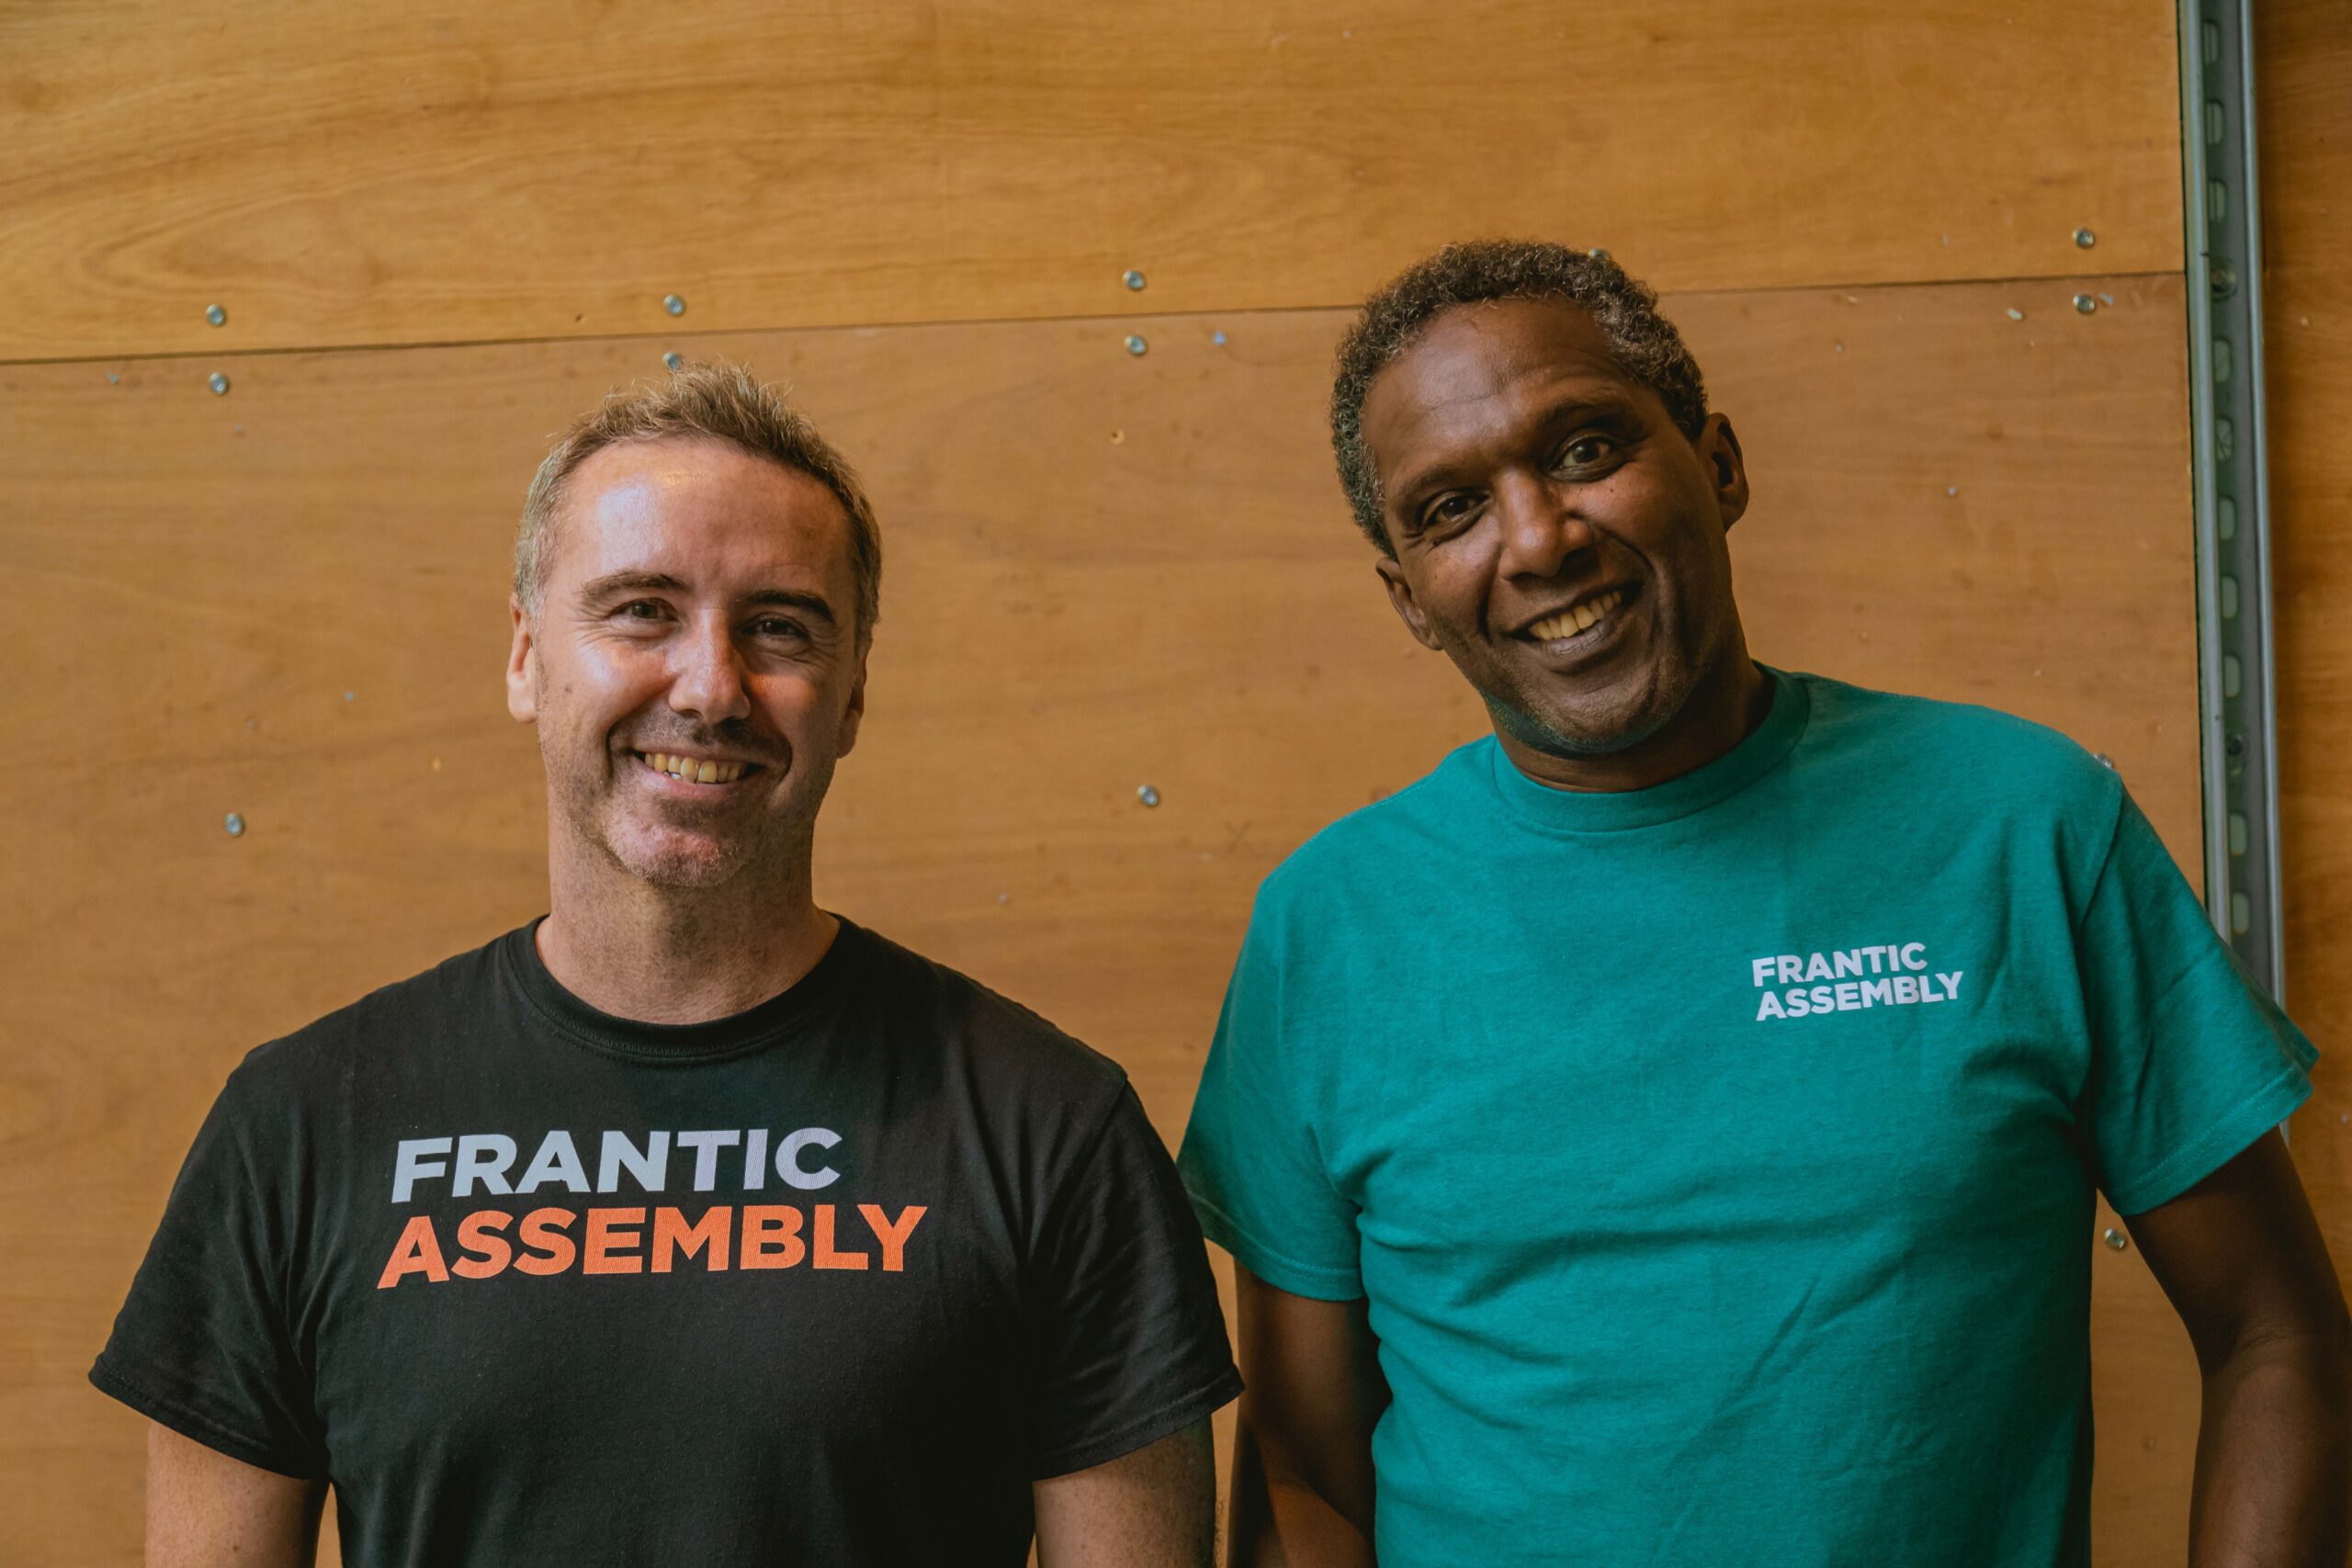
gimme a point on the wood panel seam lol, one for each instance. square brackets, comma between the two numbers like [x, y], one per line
[1257, 312]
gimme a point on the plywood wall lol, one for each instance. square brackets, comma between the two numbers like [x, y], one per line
[441, 171]
[439, 231]
[2303, 53]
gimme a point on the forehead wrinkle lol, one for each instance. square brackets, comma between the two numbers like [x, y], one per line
[710, 503]
[1498, 343]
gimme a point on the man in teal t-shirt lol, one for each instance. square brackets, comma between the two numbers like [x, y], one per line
[1668, 1132]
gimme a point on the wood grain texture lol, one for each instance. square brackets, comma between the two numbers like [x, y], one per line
[1103, 572]
[2303, 65]
[345, 173]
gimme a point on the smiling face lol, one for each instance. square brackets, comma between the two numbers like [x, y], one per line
[693, 667]
[1556, 535]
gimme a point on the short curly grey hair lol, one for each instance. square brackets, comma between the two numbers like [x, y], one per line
[1645, 342]
[718, 401]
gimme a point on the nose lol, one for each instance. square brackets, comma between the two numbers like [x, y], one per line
[706, 674]
[1542, 528]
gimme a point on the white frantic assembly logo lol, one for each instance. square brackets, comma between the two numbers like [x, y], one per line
[1898, 975]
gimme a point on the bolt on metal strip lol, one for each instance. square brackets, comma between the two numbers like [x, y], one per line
[2237, 691]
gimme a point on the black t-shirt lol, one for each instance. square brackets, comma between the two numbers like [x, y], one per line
[831, 1280]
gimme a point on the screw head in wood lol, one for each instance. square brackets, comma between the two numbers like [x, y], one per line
[217, 382]
[674, 305]
[215, 315]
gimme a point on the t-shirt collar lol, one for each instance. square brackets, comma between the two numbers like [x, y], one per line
[786, 1012]
[1604, 811]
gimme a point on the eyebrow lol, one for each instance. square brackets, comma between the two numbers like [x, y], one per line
[1419, 487]
[811, 604]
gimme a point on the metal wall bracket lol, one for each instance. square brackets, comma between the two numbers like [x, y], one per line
[2223, 220]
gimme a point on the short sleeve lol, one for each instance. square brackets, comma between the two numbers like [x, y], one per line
[201, 1345]
[2190, 1062]
[1249, 1158]
[1127, 1340]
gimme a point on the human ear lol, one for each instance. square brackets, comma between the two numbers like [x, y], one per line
[853, 714]
[1718, 448]
[1401, 600]
[522, 665]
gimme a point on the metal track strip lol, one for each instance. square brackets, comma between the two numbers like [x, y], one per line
[2223, 220]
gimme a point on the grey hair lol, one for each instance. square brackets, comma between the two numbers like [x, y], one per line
[716, 401]
[1645, 344]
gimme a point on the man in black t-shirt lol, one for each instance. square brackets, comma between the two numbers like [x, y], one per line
[689, 1224]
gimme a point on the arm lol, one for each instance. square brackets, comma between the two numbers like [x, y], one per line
[2241, 1260]
[1303, 1485]
[205, 1509]
[1153, 1508]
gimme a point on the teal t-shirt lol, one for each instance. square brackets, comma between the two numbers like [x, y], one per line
[1718, 1158]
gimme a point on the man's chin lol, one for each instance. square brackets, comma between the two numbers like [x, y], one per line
[1560, 735]
[1597, 724]
[678, 860]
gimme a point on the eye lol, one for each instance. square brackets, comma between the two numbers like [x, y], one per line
[1586, 451]
[643, 609]
[1448, 510]
[776, 626]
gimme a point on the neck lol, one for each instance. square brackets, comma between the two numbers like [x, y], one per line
[1723, 709]
[677, 954]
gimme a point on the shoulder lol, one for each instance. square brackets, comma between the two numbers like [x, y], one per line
[1980, 759]
[330, 1051]
[1366, 844]
[1004, 1045]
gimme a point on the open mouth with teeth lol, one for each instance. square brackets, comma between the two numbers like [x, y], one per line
[695, 770]
[1578, 618]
